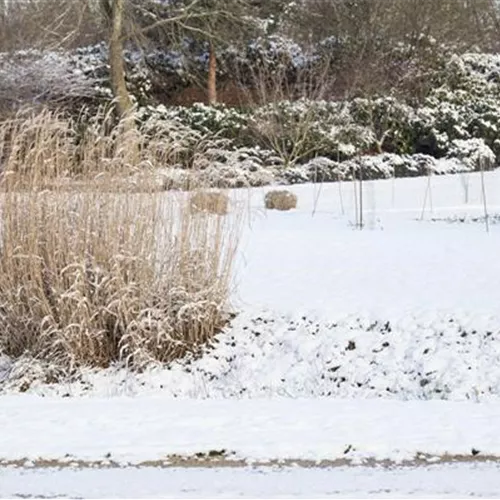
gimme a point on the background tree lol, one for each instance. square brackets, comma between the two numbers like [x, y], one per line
[213, 23]
[114, 15]
[368, 39]
[168, 23]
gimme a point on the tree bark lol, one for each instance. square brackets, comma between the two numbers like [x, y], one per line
[212, 75]
[116, 63]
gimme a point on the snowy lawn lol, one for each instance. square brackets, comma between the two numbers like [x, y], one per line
[296, 261]
[134, 430]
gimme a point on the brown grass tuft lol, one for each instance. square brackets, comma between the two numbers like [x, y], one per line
[213, 202]
[280, 200]
[90, 276]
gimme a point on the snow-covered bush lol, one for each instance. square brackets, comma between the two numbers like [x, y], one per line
[300, 130]
[319, 169]
[370, 167]
[184, 143]
[474, 154]
[389, 123]
[389, 165]
[35, 76]
[464, 105]
[273, 54]
[218, 120]
[198, 134]
[223, 168]
[465, 159]
[244, 167]
[293, 130]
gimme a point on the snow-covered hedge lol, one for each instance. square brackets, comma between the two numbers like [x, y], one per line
[332, 144]
[383, 166]
[459, 120]
[462, 104]
[246, 167]
[34, 76]
[466, 106]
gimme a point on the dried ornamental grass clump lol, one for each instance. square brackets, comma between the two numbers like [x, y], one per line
[214, 202]
[280, 200]
[91, 277]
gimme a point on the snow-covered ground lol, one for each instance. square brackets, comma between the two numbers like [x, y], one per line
[372, 330]
[437, 481]
[406, 308]
[141, 429]
[317, 262]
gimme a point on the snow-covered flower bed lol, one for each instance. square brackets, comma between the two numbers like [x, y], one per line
[270, 355]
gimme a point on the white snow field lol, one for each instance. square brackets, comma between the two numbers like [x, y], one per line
[296, 261]
[380, 344]
[435, 481]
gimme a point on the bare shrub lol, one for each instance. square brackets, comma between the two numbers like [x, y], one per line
[213, 202]
[291, 135]
[48, 24]
[90, 276]
[280, 200]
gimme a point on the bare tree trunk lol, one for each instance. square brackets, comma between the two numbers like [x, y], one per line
[117, 66]
[212, 75]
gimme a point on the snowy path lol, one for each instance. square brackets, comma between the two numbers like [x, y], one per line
[133, 430]
[443, 481]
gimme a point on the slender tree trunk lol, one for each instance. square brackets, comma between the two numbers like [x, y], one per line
[117, 66]
[212, 75]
